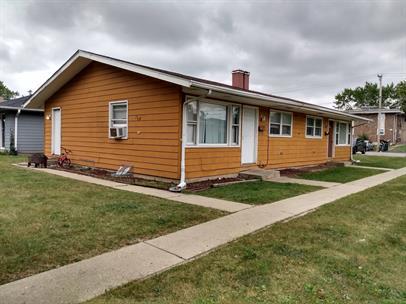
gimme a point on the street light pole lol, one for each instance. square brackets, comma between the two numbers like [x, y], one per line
[379, 110]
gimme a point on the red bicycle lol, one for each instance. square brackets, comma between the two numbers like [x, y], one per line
[64, 160]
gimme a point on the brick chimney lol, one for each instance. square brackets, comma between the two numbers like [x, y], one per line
[241, 79]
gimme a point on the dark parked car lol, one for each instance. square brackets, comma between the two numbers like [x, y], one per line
[359, 146]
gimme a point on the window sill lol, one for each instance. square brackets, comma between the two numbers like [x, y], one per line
[211, 146]
[313, 137]
[280, 136]
[343, 145]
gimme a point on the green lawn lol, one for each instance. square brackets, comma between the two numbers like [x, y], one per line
[352, 251]
[381, 161]
[258, 192]
[339, 174]
[47, 221]
[398, 148]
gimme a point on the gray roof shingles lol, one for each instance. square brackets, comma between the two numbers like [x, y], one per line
[15, 103]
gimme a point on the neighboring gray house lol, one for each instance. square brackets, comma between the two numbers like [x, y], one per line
[25, 126]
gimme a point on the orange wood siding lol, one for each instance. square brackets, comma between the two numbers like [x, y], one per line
[273, 152]
[206, 162]
[298, 150]
[154, 114]
[342, 153]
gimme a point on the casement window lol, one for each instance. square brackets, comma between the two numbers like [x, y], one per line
[343, 133]
[280, 124]
[191, 121]
[235, 125]
[118, 115]
[210, 124]
[314, 127]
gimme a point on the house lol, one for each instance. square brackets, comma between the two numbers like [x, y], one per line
[21, 127]
[393, 124]
[168, 125]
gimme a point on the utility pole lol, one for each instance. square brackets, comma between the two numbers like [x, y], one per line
[379, 110]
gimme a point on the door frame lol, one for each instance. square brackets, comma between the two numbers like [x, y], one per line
[333, 144]
[2, 131]
[255, 136]
[53, 129]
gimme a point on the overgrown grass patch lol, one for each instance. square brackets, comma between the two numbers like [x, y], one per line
[351, 251]
[339, 174]
[258, 192]
[47, 221]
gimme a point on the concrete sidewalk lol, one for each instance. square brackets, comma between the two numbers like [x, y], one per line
[198, 200]
[87, 279]
[389, 154]
[309, 182]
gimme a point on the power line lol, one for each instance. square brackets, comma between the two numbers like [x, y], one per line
[334, 85]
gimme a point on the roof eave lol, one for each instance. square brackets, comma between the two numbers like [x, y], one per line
[79, 61]
[20, 108]
[292, 103]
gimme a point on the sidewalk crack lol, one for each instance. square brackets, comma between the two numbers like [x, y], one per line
[167, 251]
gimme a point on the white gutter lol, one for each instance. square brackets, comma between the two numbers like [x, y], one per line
[282, 101]
[19, 109]
[16, 129]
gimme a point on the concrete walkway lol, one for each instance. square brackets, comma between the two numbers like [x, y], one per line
[389, 154]
[87, 279]
[198, 200]
[366, 167]
[284, 179]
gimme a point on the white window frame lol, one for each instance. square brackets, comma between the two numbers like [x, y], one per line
[281, 124]
[347, 134]
[232, 124]
[111, 104]
[314, 127]
[229, 123]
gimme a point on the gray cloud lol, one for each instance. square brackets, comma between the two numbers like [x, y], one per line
[301, 49]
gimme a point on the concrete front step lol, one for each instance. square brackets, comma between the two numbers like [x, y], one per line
[263, 174]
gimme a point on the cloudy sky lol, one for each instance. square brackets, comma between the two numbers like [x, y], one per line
[308, 50]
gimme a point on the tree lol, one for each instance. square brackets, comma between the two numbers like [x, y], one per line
[368, 95]
[6, 93]
[401, 95]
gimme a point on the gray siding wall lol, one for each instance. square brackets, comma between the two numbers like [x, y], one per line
[30, 132]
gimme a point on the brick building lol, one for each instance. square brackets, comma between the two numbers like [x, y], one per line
[393, 124]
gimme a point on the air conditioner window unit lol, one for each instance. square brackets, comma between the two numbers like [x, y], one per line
[118, 132]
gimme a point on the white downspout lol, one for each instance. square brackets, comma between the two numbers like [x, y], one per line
[16, 129]
[182, 182]
[351, 141]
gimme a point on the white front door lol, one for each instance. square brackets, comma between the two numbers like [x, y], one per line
[249, 135]
[56, 131]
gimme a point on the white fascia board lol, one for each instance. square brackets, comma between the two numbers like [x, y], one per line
[296, 104]
[52, 78]
[137, 69]
[106, 60]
